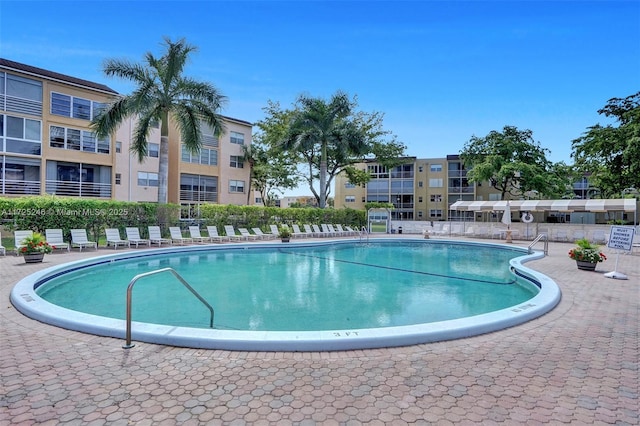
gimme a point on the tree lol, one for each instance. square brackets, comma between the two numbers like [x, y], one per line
[612, 154]
[513, 163]
[162, 94]
[330, 137]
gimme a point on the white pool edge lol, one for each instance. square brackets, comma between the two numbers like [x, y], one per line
[24, 298]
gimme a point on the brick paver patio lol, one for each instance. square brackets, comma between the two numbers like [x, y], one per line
[577, 364]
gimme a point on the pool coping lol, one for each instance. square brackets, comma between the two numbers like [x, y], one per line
[24, 298]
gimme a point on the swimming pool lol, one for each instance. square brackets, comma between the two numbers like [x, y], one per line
[287, 313]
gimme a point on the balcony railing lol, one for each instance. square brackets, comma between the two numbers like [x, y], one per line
[78, 189]
[19, 187]
[199, 196]
[461, 190]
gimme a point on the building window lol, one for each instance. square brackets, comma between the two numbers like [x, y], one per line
[236, 162]
[206, 156]
[349, 185]
[153, 150]
[237, 138]
[436, 167]
[420, 213]
[198, 188]
[419, 199]
[236, 186]
[420, 184]
[350, 199]
[19, 176]
[71, 106]
[435, 213]
[20, 135]
[436, 198]
[147, 179]
[19, 94]
[118, 178]
[435, 183]
[495, 197]
[258, 200]
[420, 169]
[78, 179]
[77, 140]
[118, 147]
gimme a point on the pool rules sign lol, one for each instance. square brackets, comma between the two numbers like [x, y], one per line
[621, 239]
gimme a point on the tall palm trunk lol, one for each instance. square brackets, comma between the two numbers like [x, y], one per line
[323, 176]
[163, 165]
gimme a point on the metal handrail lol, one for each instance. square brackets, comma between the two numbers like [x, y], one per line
[128, 344]
[364, 231]
[535, 241]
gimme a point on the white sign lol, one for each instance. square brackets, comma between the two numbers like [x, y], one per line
[621, 238]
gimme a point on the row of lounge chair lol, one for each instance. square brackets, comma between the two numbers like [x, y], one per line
[80, 240]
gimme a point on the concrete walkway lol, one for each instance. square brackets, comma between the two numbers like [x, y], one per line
[578, 364]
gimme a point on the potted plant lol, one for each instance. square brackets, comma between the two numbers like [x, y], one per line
[284, 233]
[34, 248]
[586, 255]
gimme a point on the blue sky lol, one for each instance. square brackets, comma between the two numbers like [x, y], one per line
[440, 71]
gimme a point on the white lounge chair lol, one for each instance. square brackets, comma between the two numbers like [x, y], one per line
[54, 238]
[3, 250]
[194, 233]
[19, 237]
[176, 236]
[344, 232]
[79, 239]
[231, 233]
[133, 235]
[262, 235]
[248, 235]
[317, 232]
[214, 236]
[353, 231]
[274, 230]
[155, 236]
[113, 238]
[297, 233]
[327, 231]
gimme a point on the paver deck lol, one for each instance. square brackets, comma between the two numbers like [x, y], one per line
[577, 364]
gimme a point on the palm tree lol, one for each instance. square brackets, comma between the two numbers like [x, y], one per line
[162, 94]
[318, 124]
[249, 156]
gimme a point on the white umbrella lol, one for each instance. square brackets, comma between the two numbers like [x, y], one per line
[506, 216]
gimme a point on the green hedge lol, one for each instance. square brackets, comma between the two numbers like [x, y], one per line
[40, 213]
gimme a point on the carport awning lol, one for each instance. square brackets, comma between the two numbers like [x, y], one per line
[625, 204]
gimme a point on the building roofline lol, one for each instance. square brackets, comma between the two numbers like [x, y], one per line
[237, 120]
[54, 76]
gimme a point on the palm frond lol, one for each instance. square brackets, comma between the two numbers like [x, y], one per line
[188, 121]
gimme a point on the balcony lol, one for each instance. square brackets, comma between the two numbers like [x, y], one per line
[460, 190]
[78, 189]
[19, 187]
[199, 196]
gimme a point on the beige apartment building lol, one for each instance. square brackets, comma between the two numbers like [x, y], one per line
[419, 189]
[47, 147]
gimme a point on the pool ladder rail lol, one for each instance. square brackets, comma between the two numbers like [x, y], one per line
[364, 233]
[542, 236]
[128, 344]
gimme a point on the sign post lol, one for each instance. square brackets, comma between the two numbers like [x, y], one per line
[621, 239]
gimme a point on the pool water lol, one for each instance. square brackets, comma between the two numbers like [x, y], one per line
[355, 286]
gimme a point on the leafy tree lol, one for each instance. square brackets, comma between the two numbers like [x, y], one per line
[612, 154]
[513, 163]
[162, 94]
[329, 137]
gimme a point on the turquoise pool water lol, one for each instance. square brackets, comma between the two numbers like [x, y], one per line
[284, 287]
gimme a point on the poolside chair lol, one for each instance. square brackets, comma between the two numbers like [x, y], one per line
[248, 235]
[353, 231]
[176, 236]
[274, 230]
[326, 230]
[113, 238]
[334, 231]
[317, 232]
[344, 232]
[79, 239]
[231, 233]
[262, 235]
[297, 233]
[155, 236]
[308, 230]
[194, 233]
[2, 249]
[443, 231]
[214, 236]
[19, 237]
[54, 238]
[133, 235]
